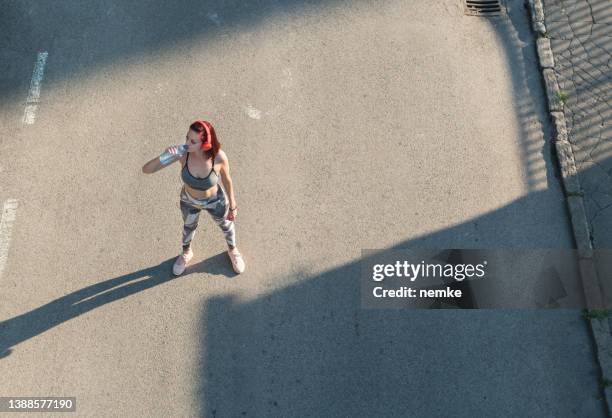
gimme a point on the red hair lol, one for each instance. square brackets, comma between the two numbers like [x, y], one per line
[200, 126]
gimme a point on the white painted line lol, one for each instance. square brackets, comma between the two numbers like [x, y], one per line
[29, 115]
[253, 112]
[9, 213]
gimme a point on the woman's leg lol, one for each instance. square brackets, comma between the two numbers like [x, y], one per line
[219, 211]
[191, 216]
[228, 228]
[219, 214]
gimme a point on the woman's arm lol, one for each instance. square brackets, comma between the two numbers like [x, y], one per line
[152, 166]
[227, 179]
[155, 165]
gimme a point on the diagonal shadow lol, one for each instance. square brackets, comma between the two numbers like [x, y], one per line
[15, 330]
[89, 35]
[309, 349]
[514, 34]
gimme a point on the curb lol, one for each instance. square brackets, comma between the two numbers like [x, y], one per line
[601, 331]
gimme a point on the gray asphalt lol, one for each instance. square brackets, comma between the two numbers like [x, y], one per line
[348, 125]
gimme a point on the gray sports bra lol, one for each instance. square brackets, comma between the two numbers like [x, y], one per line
[199, 183]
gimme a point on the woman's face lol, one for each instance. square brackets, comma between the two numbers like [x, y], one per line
[193, 141]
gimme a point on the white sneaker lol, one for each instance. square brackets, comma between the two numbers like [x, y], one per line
[181, 263]
[237, 261]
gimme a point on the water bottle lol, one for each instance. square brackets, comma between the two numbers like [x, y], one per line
[167, 157]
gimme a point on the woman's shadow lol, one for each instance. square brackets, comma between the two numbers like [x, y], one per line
[22, 327]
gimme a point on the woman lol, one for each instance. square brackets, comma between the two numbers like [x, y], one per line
[202, 165]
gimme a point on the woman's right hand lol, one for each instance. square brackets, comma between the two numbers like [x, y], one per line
[173, 149]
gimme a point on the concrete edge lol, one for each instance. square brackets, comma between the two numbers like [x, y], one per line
[601, 330]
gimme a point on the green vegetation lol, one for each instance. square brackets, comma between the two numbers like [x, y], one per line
[562, 96]
[596, 313]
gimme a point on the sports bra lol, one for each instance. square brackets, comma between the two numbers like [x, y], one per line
[199, 183]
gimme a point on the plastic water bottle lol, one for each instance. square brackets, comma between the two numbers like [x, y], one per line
[167, 157]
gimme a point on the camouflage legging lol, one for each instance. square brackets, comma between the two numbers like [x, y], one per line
[218, 209]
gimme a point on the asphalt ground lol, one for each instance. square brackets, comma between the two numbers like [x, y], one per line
[348, 125]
